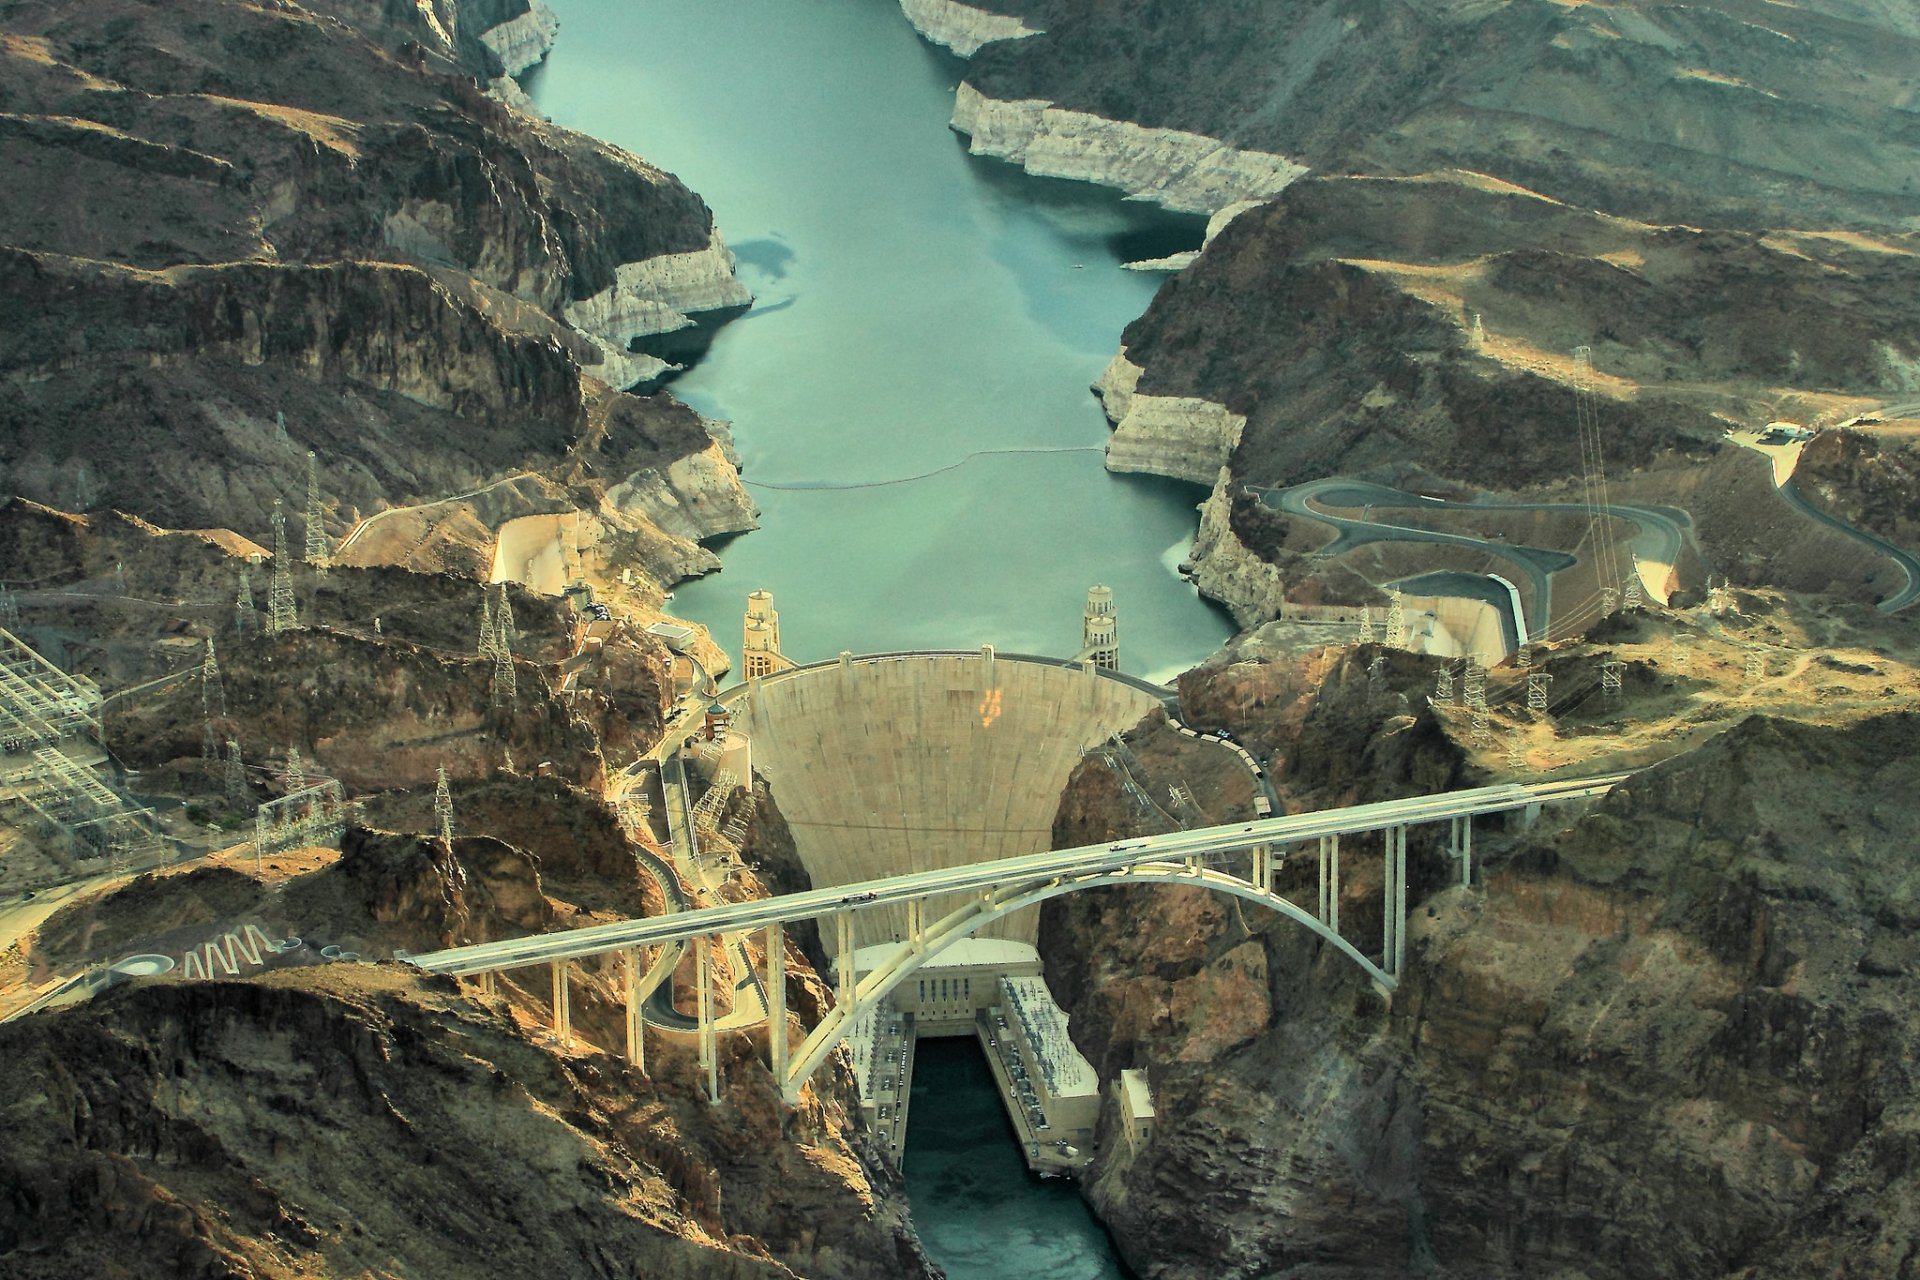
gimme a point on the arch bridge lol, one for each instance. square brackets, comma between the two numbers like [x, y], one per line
[1209, 857]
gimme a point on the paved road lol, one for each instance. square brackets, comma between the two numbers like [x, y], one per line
[1908, 565]
[1660, 532]
[1006, 873]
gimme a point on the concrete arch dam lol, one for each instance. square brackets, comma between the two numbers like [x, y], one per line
[891, 764]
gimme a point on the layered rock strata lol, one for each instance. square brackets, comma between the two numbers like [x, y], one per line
[1179, 170]
[963, 28]
[1660, 1041]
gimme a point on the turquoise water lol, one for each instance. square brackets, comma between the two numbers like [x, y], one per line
[917, 309]
[980, 1213]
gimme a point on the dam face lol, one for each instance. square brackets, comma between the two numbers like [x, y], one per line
[890, 764]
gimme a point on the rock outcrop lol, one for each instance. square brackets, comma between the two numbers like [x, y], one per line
[172, 1129]
[249, 213]
[1661, 1040]
[963, 28]
[1177, 169]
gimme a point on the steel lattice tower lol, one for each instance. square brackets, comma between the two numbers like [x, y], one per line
[245, 620]
[282, 613]
[318, 549]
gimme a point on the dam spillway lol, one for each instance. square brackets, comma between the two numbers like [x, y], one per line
[887, 764]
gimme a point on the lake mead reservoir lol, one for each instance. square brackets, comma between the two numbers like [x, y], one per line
[909, 392]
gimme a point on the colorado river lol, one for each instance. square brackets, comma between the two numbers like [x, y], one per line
[919, 313]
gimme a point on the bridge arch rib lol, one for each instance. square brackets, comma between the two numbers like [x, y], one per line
[911, 955]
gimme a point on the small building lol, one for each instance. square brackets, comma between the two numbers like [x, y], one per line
[1134, 1101]
[717, 722]
[676, 637]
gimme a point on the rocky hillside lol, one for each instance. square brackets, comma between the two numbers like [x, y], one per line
[1421, 210]
[230, 215]
[346, 1120]
[1661, 1039]
[1751, 112]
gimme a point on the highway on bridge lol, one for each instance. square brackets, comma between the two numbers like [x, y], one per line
[987, 877]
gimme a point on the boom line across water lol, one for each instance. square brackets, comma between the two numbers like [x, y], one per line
[825, 485]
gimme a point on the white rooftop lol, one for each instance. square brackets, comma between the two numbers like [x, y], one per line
[1139, 1098]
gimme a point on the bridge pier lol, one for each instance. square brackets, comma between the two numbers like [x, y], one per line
[636, 1022]
[709, 1056]
[1263, 868]
[843, 926]
[1460, 847]
[777, 1003]
[1393, 945]
[562, 1014]
[917, 923]
[1330, 882]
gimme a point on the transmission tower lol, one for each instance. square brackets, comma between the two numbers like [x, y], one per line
[489, 637]
[1635, 597]
[1366, 624]
[443, 806]
[239, 798]
[295, 778]
[1443, 684]
[280, 427]
[1756, 667]
[1479, 333]
[245, 620]
[9, 609]
[1516, 750]
[1594, 478]
[1376, 670]
[506, 686]
[1612, 671]
[318, 549]
[282, 614]
[1537, 682]
[503, 621]
[212, 692]
[1396, 621]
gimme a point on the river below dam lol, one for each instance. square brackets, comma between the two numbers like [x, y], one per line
[919, 313]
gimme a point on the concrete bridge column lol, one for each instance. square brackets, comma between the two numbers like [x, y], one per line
[1263, 868]
[1389, 907]
[562, 1015]
[486, 982]
[843, 922]
[917, 923]
[777, 1002]
[1330, 882]
[636, 1022]
[1461, 847]
[1400, 902]
[709, 1057]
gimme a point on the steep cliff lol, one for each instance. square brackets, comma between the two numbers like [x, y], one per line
[235, 213]
[1731, 110]
[339, 1119]
[1660, 1039]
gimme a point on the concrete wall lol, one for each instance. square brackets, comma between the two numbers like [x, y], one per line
[917, 763]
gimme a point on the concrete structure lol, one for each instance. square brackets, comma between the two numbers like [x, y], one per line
[1133, 1102]
[987, 893]
[1100, 630]
[760, 638]
[892, 764]
[1055, 1093]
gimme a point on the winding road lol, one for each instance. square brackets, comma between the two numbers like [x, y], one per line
[1908, 564]
[1660, 532]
